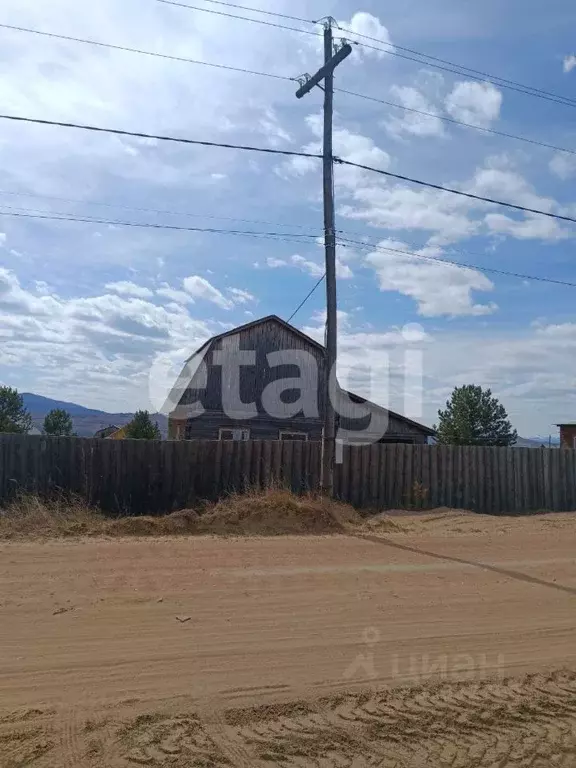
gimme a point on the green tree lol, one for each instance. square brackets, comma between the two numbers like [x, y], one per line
[142, 428]
[13, 415]
[473, 416]
[58, 422]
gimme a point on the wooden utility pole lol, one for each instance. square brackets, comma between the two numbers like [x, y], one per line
[326, 73]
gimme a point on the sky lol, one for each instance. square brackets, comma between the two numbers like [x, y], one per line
[104, 315]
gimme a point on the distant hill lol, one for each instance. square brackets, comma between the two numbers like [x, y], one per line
[86, 420]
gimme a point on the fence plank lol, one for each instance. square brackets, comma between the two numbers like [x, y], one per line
[141, 476]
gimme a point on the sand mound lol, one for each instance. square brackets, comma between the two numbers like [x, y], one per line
[277, 512]
[133, 526]
[267, 513]
[185, 521]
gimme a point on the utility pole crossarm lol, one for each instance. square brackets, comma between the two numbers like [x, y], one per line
[327, 69]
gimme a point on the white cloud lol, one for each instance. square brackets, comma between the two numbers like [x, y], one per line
[363, 23]
[531, 227]
[173, 294]
[270, 126]
[439, 289]
[42, 288]
[275, 263]
[199, 288]
[127, 288]
[313, 269]
[569, 63]
[412, 122]
[531, 369]
[475, 103]
[240, 296]
[108, 339]
[563, 165]
[405, 208]
[348, 145]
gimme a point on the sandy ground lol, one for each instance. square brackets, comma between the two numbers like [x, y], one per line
[450, 642]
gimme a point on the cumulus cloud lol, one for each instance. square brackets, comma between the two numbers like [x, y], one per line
[563, 165]
[127, 288]
[275, 263]
[363, 23]
[348, 145]
[414, 123]
[110, 338]
[569, 63]
[475, 103]
[199, 288]
[316, 269]
[438, 289]
[313, 269]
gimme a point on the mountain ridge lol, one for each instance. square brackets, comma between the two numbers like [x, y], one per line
[86, 421]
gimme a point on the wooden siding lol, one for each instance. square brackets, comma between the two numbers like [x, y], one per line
[263, 338]
[151, 476]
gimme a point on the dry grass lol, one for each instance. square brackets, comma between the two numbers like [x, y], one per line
[254, 513]
[30, 516]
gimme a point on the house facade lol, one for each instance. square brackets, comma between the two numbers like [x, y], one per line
[265, 381]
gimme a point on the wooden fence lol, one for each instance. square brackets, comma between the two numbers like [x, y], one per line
[146, 476]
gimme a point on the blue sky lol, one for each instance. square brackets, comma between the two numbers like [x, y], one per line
[104, 315]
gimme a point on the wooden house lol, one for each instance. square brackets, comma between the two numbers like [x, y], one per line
[254, 401]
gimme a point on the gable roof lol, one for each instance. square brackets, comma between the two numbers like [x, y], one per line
[274, 318]
[253, 324]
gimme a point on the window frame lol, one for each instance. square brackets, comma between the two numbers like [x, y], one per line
[304, 436]
[245, 432]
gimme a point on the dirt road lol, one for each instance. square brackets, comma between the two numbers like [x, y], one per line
[390, 650]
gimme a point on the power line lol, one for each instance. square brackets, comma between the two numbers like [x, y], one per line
[495, 81]
[161, 211]
[158, 137]
[462, 265]
[529, 90]
[299, 307]
[149, 225]
[286, 78]
[457, 122]
[260, 10]
[432, 61]
[454, 191]
[144, 52]
[236, 16]
[285, 152]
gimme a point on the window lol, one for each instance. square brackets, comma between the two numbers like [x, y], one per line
[287, 435]
[574, 442]
[225, 433]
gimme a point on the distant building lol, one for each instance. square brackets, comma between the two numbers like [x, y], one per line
[119, 434]
[106, 431]
[567, 435]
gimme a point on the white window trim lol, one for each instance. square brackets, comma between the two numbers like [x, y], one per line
[303, 435]
[245, 433]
